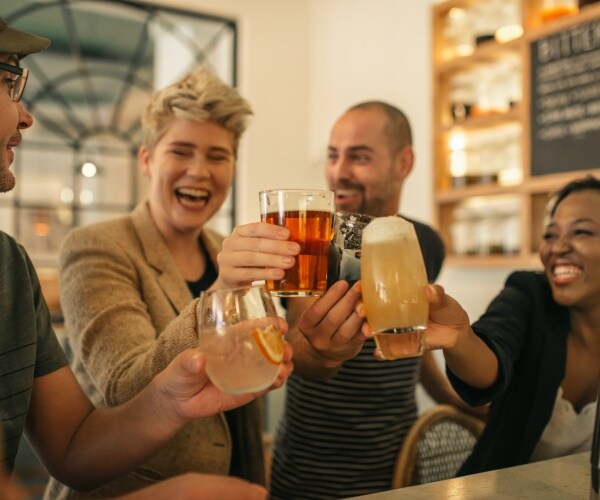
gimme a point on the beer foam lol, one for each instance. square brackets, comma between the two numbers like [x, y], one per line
[387, 228]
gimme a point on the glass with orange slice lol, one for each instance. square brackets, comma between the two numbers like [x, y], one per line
[238, 332]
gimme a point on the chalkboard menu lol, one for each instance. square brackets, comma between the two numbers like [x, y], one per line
[565, 100]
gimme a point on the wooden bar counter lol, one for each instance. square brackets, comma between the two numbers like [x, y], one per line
[565, 478]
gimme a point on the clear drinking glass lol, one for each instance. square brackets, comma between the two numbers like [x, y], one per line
[393, 287]
[238, 332]
[346, 246]
[308, 214]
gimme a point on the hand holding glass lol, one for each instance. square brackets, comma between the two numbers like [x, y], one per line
[308, 215]
[238, 332]
[393, 287]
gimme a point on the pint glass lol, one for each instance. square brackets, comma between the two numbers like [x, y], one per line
[346, 247]
[393, 287]
[308, 215]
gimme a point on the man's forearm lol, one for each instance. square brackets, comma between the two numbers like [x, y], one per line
[131, 433]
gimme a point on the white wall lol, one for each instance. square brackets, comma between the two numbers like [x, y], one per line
[274, 76]
[374, 49]
[302, 62]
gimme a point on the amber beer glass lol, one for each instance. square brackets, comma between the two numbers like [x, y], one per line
[308, 215]
[393, 287]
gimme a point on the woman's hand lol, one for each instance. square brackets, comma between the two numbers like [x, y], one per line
[447, 319]
[253, 252]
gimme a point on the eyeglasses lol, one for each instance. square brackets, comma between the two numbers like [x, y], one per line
[15, 90]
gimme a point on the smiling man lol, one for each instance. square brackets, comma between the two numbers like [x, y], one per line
[346, 413]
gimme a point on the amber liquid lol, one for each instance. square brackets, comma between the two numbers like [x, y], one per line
[400, 344]
[313, 231]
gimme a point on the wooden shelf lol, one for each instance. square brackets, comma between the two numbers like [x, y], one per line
[486, 53]
[532, 192]
[486, 121]
[529, 261]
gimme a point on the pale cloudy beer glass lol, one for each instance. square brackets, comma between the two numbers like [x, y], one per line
[393, 287]
[308, 214]
[238, 332]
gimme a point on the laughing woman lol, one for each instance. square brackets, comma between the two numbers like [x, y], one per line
[128, 284]
[535, 353]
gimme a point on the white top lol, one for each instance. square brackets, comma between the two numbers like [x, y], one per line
[567, 432]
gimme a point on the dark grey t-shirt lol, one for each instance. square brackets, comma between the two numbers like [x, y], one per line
[28, 346]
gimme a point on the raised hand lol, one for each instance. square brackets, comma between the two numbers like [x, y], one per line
[253, 252]
[331, 325]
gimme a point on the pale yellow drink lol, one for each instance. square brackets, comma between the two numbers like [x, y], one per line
[238, 332]
[393, 287]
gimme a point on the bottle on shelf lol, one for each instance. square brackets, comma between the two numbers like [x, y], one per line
[553, 9]
[511, 24]
[462, 97]
[458, 34]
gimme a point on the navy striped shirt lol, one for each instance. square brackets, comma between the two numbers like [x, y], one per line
[340, 438]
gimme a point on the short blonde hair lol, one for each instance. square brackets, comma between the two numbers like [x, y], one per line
[200, 96]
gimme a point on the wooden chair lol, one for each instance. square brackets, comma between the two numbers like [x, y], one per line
[436, 446]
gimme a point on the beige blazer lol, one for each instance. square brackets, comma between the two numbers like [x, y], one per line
[128, 312]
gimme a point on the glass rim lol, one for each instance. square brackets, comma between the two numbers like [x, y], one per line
[238, 288]
[360, 217]
[295, 190]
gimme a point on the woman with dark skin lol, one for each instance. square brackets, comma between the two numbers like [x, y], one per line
[535, 352]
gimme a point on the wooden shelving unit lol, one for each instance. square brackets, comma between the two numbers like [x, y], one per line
[529, 192]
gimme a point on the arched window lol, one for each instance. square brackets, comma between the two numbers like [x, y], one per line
[77, 164]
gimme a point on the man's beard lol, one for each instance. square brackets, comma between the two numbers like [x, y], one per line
[7, 179]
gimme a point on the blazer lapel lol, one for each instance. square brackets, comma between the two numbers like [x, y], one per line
[157, 255]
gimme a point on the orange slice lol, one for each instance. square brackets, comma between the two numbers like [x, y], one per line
[270, 343]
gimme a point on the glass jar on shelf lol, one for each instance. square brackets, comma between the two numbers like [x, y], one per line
[498, 90]
[457, 159]
[511, 171]
[485, 21]
[457, 34]
[508, 209]
[462, 231]
[461, 96]
[483, 226]
[482, 105]
[512, 73]
[553, 9]
[510, 23]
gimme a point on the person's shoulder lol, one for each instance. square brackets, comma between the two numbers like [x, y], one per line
[426, 234]
[110, 226]
[422, 227]
[9, 246]
[528, 279]
[527, 276]
[7, 241]
[100, 233]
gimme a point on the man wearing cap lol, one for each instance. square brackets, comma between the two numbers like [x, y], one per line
[39, 395]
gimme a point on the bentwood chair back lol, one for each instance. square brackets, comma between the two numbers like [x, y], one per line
[437, 445]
